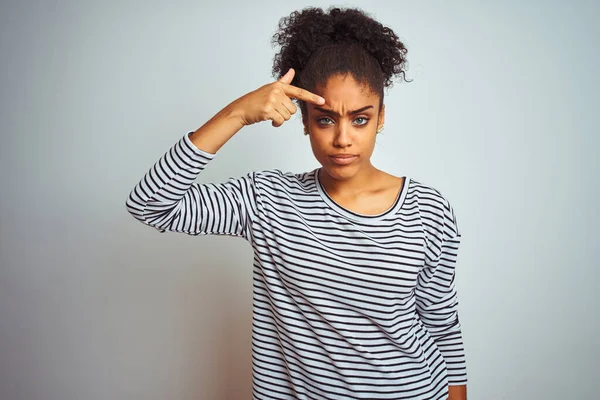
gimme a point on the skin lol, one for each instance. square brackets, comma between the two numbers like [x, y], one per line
[333, 129]
[457, 392]
[269, 102]
[336, 128]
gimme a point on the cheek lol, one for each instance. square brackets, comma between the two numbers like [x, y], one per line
[366, 141]
[317, 143]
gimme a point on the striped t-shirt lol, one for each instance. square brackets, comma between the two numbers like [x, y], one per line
[345, 306]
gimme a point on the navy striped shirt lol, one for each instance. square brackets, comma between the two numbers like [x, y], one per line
[345, 306]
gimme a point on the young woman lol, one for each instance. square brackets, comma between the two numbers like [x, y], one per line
[354, 268]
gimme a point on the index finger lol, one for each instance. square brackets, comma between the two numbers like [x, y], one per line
[302, 94]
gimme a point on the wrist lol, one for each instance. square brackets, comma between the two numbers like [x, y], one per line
[234, 114]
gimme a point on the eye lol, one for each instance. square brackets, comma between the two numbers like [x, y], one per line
[324, 121]
[361, 121]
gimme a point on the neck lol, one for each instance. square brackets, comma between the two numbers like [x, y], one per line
[351, 186]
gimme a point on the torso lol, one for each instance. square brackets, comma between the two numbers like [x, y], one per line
[374, 201]
[334, 291]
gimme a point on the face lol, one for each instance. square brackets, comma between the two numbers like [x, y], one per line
[342, 131]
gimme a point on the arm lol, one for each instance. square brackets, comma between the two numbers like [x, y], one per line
[437, 303]
[166, 197]
[457, 392]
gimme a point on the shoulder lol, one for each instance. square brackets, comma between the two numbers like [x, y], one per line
[435, 208]
[275, 179]
[428, 194]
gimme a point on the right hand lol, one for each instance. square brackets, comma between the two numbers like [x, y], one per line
[273, 101]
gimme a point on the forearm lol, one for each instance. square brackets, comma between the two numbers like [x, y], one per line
[167, 198]
[437, 307]
[457, 392]
[269, 102]
[211, 136]
[166, 186]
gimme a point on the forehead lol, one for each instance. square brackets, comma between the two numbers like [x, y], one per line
[343, 92]
[346, 84]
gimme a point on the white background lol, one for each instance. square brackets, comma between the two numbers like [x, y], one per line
[501, 117]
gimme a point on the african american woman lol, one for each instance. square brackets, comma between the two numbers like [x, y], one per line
[354, 293]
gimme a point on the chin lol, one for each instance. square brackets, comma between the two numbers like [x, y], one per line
[339, 172]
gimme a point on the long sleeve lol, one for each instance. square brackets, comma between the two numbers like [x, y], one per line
[168, 199]
[436, 295]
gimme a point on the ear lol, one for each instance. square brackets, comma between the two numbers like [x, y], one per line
[381, 118]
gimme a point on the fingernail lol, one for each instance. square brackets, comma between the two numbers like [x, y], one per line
[321, 100]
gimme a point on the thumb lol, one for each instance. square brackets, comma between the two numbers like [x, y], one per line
[288, 77]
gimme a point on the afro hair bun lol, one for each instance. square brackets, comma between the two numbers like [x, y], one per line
[304, 32]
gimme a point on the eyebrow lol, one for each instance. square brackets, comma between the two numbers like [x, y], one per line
[353, 112]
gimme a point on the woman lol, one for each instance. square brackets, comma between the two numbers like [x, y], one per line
[354, 291]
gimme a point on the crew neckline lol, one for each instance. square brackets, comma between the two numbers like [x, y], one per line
[363, 217]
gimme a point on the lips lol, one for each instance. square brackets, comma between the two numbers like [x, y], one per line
[343, 159]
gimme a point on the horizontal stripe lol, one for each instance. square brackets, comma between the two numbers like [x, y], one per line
[345, 305]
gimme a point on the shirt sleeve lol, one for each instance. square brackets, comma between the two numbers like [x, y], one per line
[167, 198]
[436, 295]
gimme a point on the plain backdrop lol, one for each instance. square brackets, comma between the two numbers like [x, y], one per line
[501, 117]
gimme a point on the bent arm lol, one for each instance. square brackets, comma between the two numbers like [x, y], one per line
[167, 199]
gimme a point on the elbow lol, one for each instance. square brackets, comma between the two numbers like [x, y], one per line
[447, 330]
[441, 323]
[161, 219]
[135, 208]
[139, 210]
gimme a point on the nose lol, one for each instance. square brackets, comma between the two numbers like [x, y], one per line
[342, 137]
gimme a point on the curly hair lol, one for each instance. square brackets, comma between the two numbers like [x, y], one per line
[319, 44]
